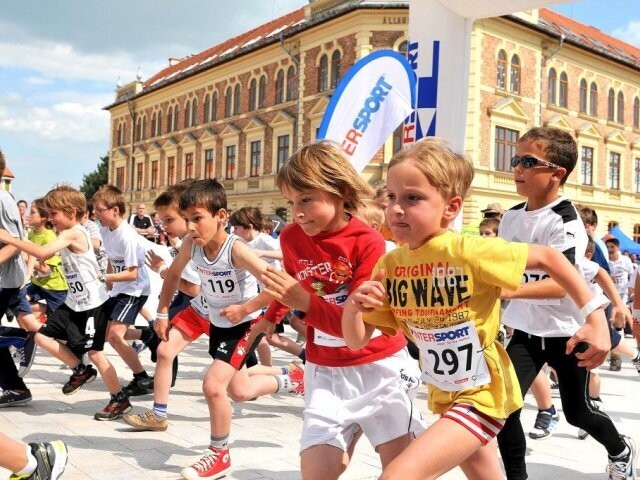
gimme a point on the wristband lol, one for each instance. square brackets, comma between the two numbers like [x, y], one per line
[162, 269]
[635, 314]
[596, 302]
[162, 316]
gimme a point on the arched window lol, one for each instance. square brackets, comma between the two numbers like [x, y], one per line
[176, 113]
[291, 83]
[563, 92]
[335, 68]
[262, 92]
[187, 114]
[280, 86]
[323, 74]
[252, 94]
[611, 104]
[207, 108]
[144, 127]
[620, 107]
[551, 87]
[236, 99]
[154, 124]
[403, 48]
[228, 102]
[501, 70]
[593, 99]
[583, 96]
[514, 75]
[214, 106]
[159, 124]
[636, 112]
[194, 112]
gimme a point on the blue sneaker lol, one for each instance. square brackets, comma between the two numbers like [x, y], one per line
[544, 426]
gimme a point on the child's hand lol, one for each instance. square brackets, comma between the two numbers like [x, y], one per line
[259, 327]
[234, 313]
[620, 315]
[286, 289]
[153, 260]
[369, 295]
[595, 333]
[161, 327]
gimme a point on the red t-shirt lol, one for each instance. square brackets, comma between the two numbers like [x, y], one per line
[330, 266]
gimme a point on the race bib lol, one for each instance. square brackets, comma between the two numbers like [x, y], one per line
[452, 357]
[118, 266]
[77, 288]
[535, 276]
[220, 287]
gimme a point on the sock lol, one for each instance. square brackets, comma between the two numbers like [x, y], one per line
[284, 370]
[551, 410]
[303, 355]
[160, 410]
[625, 453]
[219, 443]
[595, 399]
[32, 463]
[284, 383]
[79, 368]
[142, 374]
[637, 357]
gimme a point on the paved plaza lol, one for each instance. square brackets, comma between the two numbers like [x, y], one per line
[264, 434]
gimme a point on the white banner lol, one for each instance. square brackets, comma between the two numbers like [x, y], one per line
[371, 100]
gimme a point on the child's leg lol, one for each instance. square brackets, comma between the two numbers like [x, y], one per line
[264, 353]
[442, 447]
[390, 450]
[115, 336]
[167, 351]
[106, 369]
[541, 390]
[323, 462]
[283, 343]
[214, 387]
[243, 388]
[483, 460]
[57, 349]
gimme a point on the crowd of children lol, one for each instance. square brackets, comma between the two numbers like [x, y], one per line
[367, 275]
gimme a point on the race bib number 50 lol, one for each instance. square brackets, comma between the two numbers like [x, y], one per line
[452, 357]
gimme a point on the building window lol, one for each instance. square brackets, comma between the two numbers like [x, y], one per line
[154, 173]
[187, 114]
[620, 107]
[586, 165]
[255, 158]
[228, 102]
[139, 175]
[231, 161]
[583, 96]
[501, 70]
[176, 113]
[563, 93]
[170, 120]
[207, 108]
[323, 74]
[593, 100]
[397, 139]
[154, 123]
[158, 130]
[636, 112]
[253, 90]
[611, 226]
[214, 106]
[188, 165]
[636, 176]
[514, 75]
[611, 105]
[551, 86]
[236, 99]
[283, 150]
[208, 163]
[138, 132]
[171, 170]
[335, 68]
[636, 233]
[262, 92]
[120, 178]
[280, 86]
[505, 146]
[291, 83]
[194, 112]
[614, 171]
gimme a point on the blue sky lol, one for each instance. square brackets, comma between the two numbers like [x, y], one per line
[60, 62]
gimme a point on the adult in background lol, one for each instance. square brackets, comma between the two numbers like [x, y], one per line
[142, 222]
[493, 210]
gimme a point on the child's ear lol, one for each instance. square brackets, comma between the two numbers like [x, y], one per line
[453, 208]
[559, 174]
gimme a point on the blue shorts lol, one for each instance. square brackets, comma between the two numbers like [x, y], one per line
[14, 299]
[54, 298]
[615, 336]
[124, 308]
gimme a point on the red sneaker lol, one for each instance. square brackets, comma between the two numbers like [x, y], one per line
[296, 375]
[214, 464]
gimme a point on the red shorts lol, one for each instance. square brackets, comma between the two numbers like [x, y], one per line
[191, 323]
[480, 424]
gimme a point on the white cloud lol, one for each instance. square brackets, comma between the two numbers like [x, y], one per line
[38, 81]
[630, 33]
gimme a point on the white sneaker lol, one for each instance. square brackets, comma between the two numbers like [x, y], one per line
[624, 469]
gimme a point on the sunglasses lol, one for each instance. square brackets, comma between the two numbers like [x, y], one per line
[528, 161]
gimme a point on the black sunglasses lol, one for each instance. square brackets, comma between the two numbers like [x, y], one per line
[528, 161]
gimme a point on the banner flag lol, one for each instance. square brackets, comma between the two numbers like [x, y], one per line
[370, 102]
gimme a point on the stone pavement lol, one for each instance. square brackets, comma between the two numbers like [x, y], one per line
[264, 434]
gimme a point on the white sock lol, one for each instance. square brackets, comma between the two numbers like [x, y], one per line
[32, 463]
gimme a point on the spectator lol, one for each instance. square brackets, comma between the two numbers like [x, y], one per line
[24, 213]
[142, 222]
[493, 210]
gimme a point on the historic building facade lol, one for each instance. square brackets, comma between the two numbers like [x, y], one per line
[237, 110]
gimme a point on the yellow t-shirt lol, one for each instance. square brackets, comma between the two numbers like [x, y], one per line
[55, 281]
[445, 296]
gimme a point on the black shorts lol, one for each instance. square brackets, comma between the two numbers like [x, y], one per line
[230, 344]
[83, 331]
[124, 308]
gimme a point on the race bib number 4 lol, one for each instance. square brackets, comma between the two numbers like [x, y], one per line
[452, 357]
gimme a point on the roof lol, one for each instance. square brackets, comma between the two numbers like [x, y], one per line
[7, 173]
[589, 37]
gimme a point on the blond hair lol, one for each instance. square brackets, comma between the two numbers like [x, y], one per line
[65, 198]
[322, 166]
[372, 214]
[449, 172]
[111, 196]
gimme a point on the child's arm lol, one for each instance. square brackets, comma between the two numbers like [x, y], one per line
[237, 313]
[66, 238]
[129, 274]
[367, 297]
[547, 288]
[277, 254]
[619, 312]
[595, 330]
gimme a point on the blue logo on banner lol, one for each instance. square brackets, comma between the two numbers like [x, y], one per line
[424, 118]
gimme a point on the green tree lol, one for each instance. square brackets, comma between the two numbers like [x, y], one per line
[91, 182]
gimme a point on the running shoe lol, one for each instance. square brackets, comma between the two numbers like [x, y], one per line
[625, 468]
[146, 422]
[139, 386]
[52, 459]
[636, 361]
[544, 425]
[77, 380]
[117, 406]
[296, 375]
[27, 354]
[214, 464]
[14, 398]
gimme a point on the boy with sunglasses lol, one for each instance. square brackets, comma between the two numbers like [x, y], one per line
[542, 315]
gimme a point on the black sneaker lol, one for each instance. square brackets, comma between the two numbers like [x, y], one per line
[139, 386]
[51, 457]
[77, 380]
[13, 398]
[117, 406]
[544, 426]
[27, 355]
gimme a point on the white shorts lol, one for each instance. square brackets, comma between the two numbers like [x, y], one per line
[375, 397]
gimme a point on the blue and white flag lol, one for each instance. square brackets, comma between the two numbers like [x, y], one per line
[371, 100]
